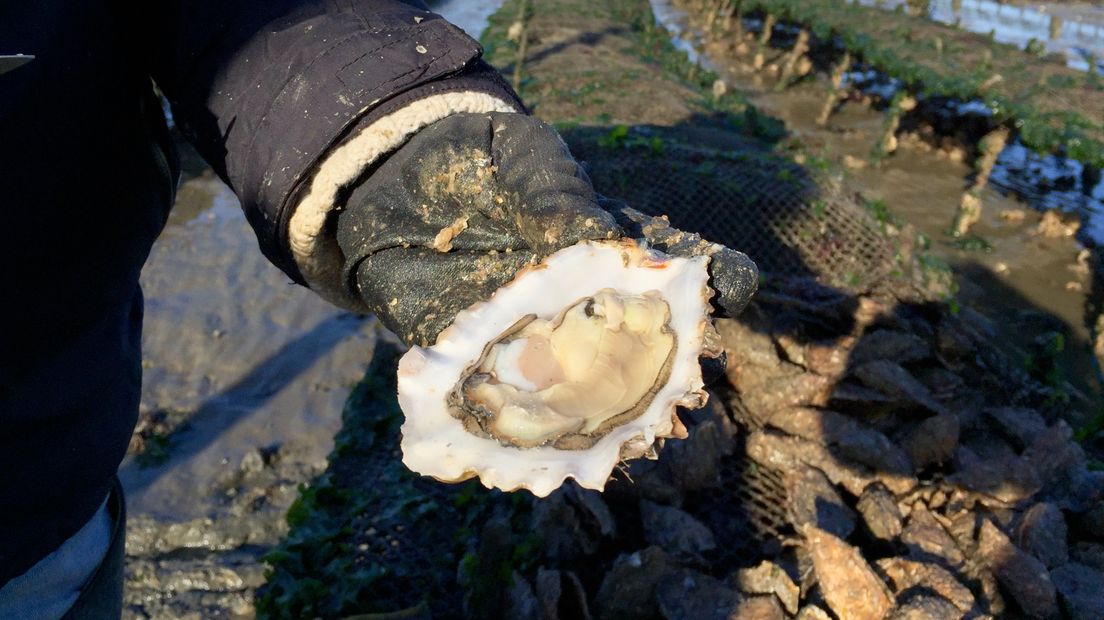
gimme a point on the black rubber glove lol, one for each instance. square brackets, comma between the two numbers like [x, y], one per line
[468, 201]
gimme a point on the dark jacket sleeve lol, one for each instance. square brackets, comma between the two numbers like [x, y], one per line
[263, 89]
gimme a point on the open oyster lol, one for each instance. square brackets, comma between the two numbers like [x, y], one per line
[574, 366]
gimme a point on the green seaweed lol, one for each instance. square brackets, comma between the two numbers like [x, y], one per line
[317, 570]
[972, 243]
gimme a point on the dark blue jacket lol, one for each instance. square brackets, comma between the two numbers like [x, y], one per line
[87, 176]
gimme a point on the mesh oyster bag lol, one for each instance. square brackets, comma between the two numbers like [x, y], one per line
[790, 224]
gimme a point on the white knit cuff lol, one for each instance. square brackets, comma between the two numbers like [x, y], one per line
[315, 250]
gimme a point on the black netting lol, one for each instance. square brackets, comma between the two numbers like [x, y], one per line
[416, 527]
[794, 226]
[791, 224]
[746, 512]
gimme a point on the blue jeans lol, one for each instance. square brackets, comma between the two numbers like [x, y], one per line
[74, 572]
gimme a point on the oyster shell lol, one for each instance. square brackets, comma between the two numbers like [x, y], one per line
[572, 367]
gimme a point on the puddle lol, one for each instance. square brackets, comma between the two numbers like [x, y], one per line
[1042, 181]
[229, 344]
[1053, 182]
[470, 15]
[672, 18]
[1082, 32]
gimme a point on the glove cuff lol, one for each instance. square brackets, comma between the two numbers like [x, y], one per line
[310, 231]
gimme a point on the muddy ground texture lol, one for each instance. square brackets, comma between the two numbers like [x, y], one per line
[870, 453]
[244, 379]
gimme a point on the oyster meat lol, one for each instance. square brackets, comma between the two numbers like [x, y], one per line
[575, 365]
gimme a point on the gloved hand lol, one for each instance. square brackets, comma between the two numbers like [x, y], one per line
[468, 201]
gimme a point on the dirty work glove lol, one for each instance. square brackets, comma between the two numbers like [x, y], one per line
[453, 214]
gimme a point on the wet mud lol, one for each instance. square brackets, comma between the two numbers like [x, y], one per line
[245, 375]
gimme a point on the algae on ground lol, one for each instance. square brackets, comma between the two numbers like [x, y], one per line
[349, 522]
[370, 536]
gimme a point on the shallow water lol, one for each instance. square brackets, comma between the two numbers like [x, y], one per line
[671, 18]
[1042, 181]
[470, 15]
[1082, 33]
[248, 358]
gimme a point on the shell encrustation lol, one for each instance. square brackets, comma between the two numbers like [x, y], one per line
[575, 365]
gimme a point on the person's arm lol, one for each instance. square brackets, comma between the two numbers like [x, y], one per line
[452, 216]
[278, 96]
[383, 164]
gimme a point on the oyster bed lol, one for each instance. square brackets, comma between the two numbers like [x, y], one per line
[868, 457]
[918, 461]
[871, 453]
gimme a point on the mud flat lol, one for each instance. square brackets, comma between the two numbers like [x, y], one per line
[245, 375]
[245, 379]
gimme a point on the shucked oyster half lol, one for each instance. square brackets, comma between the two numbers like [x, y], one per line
[575, 365]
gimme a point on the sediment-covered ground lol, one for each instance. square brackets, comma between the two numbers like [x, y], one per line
[244, 379]
[871, 453]
[1028, 263]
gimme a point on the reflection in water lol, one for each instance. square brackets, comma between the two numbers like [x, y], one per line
[1053, 182]
[1082, 32]
[674, 20]
[203, 195]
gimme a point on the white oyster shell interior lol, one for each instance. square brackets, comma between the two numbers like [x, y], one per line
[608, 326]
[598, 360]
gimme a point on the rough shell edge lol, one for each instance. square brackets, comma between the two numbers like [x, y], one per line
[422, 388]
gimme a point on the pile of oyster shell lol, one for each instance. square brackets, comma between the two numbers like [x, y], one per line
[871, 458]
